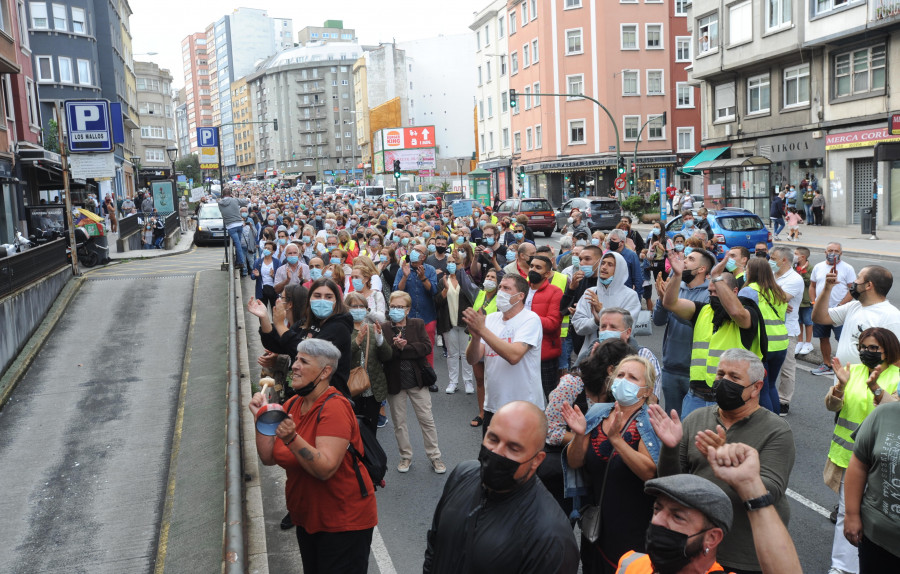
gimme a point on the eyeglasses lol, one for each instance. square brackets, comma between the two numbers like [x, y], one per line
[399, 308]
[869, 348]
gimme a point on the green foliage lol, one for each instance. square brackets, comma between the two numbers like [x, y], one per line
[444, 186]
[635, 204]
[51, 137]
[190, 167]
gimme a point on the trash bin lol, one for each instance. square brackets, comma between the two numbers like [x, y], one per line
[868, 220]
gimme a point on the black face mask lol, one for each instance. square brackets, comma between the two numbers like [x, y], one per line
[535, 278]
[854, 291]
[870, 359]
[729, 395]
[440, 249]
[497, 471]
[687, 275]
[714, 303]
[304, 391]
[762, 254]
[668, 550]
[614, 245]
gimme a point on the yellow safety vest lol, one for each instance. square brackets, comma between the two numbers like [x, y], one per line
[858, 403]
[708, 347]
[491, 307]
[774, 318]
[562, 281]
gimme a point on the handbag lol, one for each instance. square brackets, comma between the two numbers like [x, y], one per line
[429, 377]
[358, 382]
[643, 324]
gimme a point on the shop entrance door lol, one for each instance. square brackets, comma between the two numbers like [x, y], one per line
[863, 172]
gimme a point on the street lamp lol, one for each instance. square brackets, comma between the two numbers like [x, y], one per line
[136, 162]
[173, 153]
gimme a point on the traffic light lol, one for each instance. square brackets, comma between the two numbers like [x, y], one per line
[621, 163]
[397, 169]
[522, 172]
[275, 124]
[512, 98]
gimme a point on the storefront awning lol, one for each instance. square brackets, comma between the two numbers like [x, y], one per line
[690, 166]
[733, 163]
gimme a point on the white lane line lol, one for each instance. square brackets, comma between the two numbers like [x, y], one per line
[382, 558]
[807, 503]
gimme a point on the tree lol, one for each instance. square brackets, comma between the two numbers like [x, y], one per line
[51, 137]
[190, 167]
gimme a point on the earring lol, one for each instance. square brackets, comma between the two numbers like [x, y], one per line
[706, 551]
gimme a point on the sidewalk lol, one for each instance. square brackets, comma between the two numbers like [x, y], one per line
[184, 245]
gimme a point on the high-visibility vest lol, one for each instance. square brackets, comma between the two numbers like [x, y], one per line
[858, 403]
[774, 315]
[708, 347]
[636, 563]
[479, 303]
[561, 281]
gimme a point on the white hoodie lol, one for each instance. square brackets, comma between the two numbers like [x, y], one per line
[616, 294]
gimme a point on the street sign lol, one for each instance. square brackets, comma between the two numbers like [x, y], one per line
[89, 126]
[894, 124]
[208, 137]
[94, 166]
[209, 158]
[620, 183]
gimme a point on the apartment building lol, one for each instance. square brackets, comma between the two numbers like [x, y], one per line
[197, 102]
[242, 111]
[157, 121]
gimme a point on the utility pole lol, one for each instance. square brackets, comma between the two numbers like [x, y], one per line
[63, 143]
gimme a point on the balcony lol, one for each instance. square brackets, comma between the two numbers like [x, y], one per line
[8, 63]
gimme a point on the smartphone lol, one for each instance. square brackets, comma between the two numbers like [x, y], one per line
[479, 242]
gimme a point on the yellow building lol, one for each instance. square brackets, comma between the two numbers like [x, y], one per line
[242, 111]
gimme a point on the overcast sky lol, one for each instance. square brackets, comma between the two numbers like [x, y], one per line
[160, 25]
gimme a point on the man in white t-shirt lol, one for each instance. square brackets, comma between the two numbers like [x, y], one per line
[870, 309]
[510, 344]
[845, 274]
[792, 284]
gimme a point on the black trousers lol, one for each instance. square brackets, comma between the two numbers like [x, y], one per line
[335, 552]
[549, 376]
[873, 559]
[269, 296]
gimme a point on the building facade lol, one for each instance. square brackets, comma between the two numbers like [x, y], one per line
[197, 102]
[181, 124]
[242, 111]
[157, 121]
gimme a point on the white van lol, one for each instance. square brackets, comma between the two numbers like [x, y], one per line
[371, 191]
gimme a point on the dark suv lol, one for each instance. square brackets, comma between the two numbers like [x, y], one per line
[538, 211]
[602, 213]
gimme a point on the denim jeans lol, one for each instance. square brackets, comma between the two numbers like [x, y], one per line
[675, 388]
[769, 396]
[809, 213]
[691, 403]
[235, 234]
[778, 224]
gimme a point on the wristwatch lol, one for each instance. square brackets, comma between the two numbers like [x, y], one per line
[761, 502]
[877, 391]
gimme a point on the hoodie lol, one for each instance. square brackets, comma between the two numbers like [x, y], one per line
[679, 337]
[616, 294]
[231, 211]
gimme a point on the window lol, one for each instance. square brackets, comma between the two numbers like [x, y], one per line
[153, 132]
[533, 9]
[576, 132]
[796, 86]
[740, 23]
[572, 4]
[859, 71]
[629, 33]
[155, 155]
[682, 48]
[491, 141]
[529, 141]
[684, 94]
[479, 76]
[500, 35]
[631, 125]
[23, 24]
[31, 96]
[84, 73]
[78, 21]
[758, 94]
[44, 68]
[631, 83]
[778, 14]
[707, 33]
[487, 35]
[526, 52]
[65, 70]
[527, 97]
[517, 142]
[502, 65]
[538, 137]
[505, 138]
[504, 102]
[514, 64]
[537, 89]
[490, 107]
[534, 51]
[524, 13]
[480, 109]
[7, 97]
[575, 85]
[60, 20]
[725, 102]
[39, 19]
[655, 128]
[829, 5]
[573, 42]
[681, 7]
[654, 37]
[654, 82]
[487, 68]
[512, 22]
[685, 139]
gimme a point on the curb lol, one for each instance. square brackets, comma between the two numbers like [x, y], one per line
[167, 254]
[35, 343]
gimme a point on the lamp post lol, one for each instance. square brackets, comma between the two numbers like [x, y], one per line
[353, 146]
[637, 141]
[173, 153]
[136, 162]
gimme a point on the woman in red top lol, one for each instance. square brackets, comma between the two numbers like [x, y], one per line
[334, 522]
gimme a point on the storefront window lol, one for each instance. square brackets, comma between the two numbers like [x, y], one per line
[895, 192]
[786, 173]
[7, 214]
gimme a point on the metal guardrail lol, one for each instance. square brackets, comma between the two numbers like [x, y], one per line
[171, 222]
[129, 225]
[235, 558]
[21, 269]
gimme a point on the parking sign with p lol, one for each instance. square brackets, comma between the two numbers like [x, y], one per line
[89, 126]
[208, 137]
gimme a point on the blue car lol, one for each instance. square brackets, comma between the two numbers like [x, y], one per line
[731, 227]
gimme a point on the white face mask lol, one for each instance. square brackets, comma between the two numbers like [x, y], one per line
[503, 303]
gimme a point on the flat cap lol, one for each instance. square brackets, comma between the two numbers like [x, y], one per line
[697, 493]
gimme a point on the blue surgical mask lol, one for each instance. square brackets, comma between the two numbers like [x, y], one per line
[605, 281]
[518, 236]
[396, 314]
[318, 218]
[321, 308]
[329, 273]
[315, 273]
[482, 223]
[432, 249]
[588, 270]
[282, 241]
[688, 222]
[306, 239]
[404, 241]
[625, 392]
[654, 231]
[679, 247]
[270, 221]
[414, 256]
[595, 241]
[688, 250]
[383, 258]
[445, 219]
[730, 265]
[774, 266]
[414, 219]
[292, 259]
[358, 284]
[604, 335]
[489, 241]
[266, 253]
[426, 235]
[358, 315]
[335, 260]
[460, 240]
[451, 268]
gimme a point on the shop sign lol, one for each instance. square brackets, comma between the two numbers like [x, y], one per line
[861, 138]
[791, 147]
[894, 123]
[596, 163]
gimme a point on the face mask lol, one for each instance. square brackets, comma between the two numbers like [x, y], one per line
[292, 259]
[358, 315]
[383, 258]
[605, 282]
[535, 278]
[498, 472]
[414, 219]
[335, 260]
[490, 285]
[626, 392]
[321, 248]
[688, 223]
[688, 250]
[774, 266]
[304, 391]
[315, 273]
[282, 241]
[489, 241]
[729, 395]
[413, 256]
[352, 223]
[404, 241]
[715, 304]
[854, 290]
[679, 247]
[503, 301]
[668, 550]
[451, 268]
[432, 249]
[518, 236]
[306, 239]
[445, 219]
[763, 254]
[270, 221]
[870, 359]
[614, 245]
[266, 253]
[580, 243]
[358, 284]
[329, 273]
[318, 218]
[243, 214]
[588, 270]
[832, 258]
[604, 335]
[426, 235]
[730, 265]
[327, 227]
[396, 314]
[595, 241]
[482, 223]
[321, 308]
[687, 275]
[460, 240]
[654, 231]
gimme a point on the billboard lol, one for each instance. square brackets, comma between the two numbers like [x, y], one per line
[410, 159]
[418, 137]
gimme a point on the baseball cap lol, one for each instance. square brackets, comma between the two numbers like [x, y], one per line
[695, 492]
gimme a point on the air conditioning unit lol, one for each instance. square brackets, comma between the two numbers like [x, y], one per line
[728, 130]
[817, 134]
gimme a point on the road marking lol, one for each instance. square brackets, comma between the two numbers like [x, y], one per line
[809, 503]
[382, 558]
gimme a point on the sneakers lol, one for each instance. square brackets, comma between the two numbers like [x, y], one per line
[470, 388]
[438, 466]
[785, 409]
[404, 465]
[433, 388]
[837, 571]
[803, 348]
[821, 370]
[451, 388]
[382, 421]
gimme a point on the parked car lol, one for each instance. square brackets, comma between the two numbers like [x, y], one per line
[602, 213]
[371, 191]
[731, 227]
[210, 228]
[422, 197]
[537, 209]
